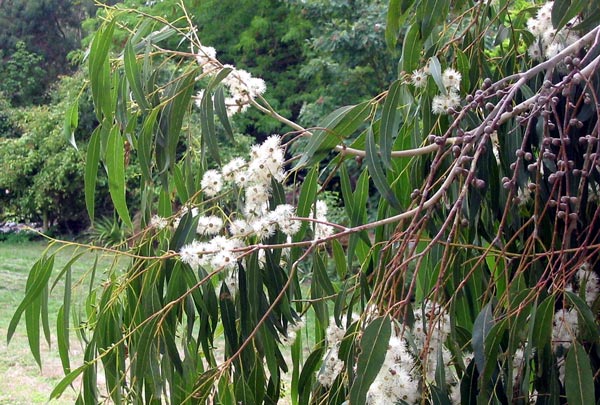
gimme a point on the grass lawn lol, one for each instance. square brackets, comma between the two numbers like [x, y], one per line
[21, 380]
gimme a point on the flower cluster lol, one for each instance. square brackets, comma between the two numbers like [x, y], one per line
[410, 360]
[549, 42]
[332, 364]
[450, 99]
[319, 213]
[431, 329]
[565, 325]
[394, 382]
[256, 220]
[589, 282]
[242, 86]
[222, 238]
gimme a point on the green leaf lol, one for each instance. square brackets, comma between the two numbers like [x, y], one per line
[221, 111]
[71, 123]
[321, 278]
[134, 76]
[393, 23]
[204, 382]
[435, 69]
[144, 145]
[542, 331]
[91, 172]
[207, 121]
[481, 328]
[373, 347]
[308, 372]
[36, 282]
[62, 325]
[492, 346]
[336, 127]
[67, 381]
[579, 379]
[115, 168]
[340, 259]
[32, 325]
[564, 10]
[179, 96]
[464, 67]
[308, 194]
[154, 37]
[376, 171]
[99, 71]
[180, 186]
[243, 393]
[411, 49]
[430, 13]
[390, 122]
[228, 317]
[219, 77]
[588, 326]
[438, 396]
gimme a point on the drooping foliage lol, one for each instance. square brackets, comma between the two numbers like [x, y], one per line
[474, 280]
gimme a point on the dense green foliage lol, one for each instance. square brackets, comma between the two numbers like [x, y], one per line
[474, 277]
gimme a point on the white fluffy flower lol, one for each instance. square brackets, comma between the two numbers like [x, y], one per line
[206, 58]
[196, 254]
[535, 51]
[451, 79]
[240, 228]
[210, 225]
[419, 78]
[282, 216]
[225, 259]
[443, 103]
[590, 281]
[212, 183]
[267, 161]
[334, 334]
[392, 385]
[232, 282]
[232, 168]
[319, 212]
[263, 228]
[394, 382]
[257, 194]
[549, 42]
[206, 54]
[565, 327]
[189, 255]
[158, 222]
[331, 368]
[255, 210]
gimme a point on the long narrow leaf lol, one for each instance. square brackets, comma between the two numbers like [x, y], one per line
[91, 172]
[376, 171]
[390, 122]
[115, 167]
[134, 76]
[374, 344]
[579, 379]
[36, 282]
[62, 325]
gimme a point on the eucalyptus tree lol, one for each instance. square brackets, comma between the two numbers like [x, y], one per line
[475, 279]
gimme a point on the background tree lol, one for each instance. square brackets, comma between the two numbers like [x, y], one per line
[43, 32]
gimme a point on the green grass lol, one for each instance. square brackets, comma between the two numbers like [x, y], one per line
[21, 380]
